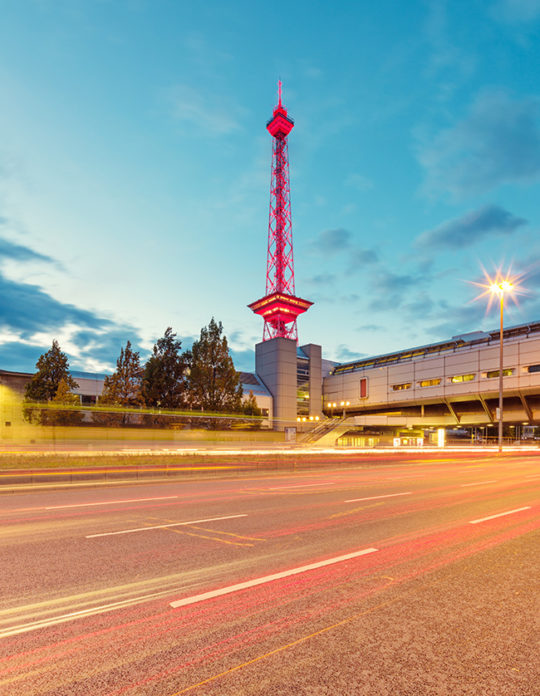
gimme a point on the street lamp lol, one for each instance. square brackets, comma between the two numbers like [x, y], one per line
[500, 288]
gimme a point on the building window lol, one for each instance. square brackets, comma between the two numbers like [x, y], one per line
[399, 387]
[363, 388]
[462, 378]
[430, 382]
[88, 400]
[533, 368]
[508, 372]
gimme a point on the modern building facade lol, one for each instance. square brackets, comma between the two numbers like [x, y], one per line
[447, 384]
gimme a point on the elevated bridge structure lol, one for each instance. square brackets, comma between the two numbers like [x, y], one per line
[448, 384]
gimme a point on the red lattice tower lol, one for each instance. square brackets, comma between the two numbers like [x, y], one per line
[280, 307]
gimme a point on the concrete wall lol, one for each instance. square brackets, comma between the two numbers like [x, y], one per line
[275, 364]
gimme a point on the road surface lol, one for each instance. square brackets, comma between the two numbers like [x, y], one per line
[417, 577]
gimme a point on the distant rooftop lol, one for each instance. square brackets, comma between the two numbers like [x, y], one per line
[251, 383]
[79, 374]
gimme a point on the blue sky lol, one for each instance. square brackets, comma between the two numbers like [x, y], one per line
[135, 169]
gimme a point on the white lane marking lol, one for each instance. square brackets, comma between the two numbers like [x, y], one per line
[110, 502]
[163, 526]
[301, 485]
[478, 483]
[376, 497]
[501, 514]
[268, 578]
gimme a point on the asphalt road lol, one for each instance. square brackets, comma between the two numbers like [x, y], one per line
[417, 577]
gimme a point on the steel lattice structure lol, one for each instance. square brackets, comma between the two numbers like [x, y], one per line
[280, 307]
[280, 264]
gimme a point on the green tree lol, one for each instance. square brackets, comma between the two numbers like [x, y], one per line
[52, 369]
[122, 388]
[65, 397]
[164, 380]
[250, 408]
[213, 383]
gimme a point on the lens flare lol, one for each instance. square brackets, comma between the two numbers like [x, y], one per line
[499, 283]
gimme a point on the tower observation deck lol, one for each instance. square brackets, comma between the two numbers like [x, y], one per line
[280, 307]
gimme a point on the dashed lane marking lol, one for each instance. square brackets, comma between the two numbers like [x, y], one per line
[268, 578]
[162, 526]
[378, 497]
[500, 514]
[110, 502]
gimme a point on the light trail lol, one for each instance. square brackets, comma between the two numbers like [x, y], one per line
[478, 483]
[268, 578]
[162, 526]
[72, 616]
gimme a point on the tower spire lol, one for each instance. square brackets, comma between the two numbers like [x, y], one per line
[280, 307]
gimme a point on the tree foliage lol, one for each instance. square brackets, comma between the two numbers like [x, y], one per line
[164, 380]
[122, 388]
[52, 368]
[52, 375]
[63, 398]
[213, 383]
[249, 406]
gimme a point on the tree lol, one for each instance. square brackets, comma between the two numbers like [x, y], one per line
[213, 383]
[65, 397]
[164, 380]
[122, 388]
[52, 370]
[250, 407]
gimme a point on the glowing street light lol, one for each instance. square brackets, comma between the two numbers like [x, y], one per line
[502, 284]
[500, 287]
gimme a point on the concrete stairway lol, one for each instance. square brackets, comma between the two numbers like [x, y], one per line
[325, 433]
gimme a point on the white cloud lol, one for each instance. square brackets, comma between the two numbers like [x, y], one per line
[497, 142]
[206, 111]
[517, 11]
[469, 228]
[359, 182]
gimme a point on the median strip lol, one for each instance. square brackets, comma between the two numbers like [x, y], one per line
[501, 514]
[267, 578]
[162, 526]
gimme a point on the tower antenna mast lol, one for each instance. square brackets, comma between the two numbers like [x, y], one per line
[280, 307]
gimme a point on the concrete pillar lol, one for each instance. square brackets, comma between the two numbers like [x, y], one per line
[275, 365]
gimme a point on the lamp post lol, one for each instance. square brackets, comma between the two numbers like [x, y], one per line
[500, 288]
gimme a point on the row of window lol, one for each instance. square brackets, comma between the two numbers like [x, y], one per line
[456, 379]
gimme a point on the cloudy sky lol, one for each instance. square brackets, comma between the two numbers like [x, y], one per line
[135, 169]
